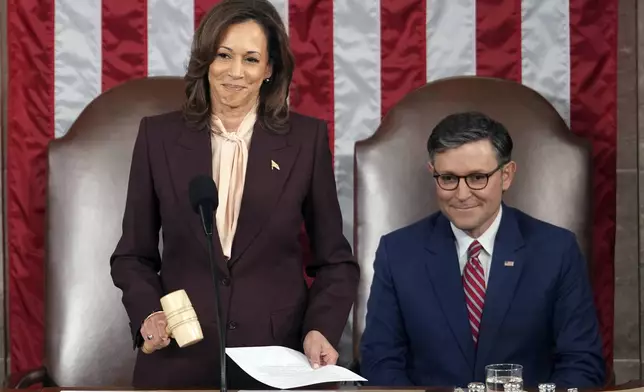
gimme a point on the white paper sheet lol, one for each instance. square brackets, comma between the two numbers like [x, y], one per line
[284, 368]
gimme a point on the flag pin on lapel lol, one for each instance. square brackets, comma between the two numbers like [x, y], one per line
[509, 264]
[274, 165]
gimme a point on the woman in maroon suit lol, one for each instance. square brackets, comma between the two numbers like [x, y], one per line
[273, 170]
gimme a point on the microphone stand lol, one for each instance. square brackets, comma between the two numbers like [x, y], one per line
[220, 317]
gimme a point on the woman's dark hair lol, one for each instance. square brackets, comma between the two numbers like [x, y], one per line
[272, 111]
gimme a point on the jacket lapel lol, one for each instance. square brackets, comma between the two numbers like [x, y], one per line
[502, 282]
[445, 274]
[270, 161]
[191, 156]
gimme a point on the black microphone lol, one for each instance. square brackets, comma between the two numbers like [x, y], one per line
[204, 200]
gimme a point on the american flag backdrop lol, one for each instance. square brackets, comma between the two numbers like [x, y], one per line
[355, 59]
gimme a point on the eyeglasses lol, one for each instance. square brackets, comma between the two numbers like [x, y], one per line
[475, 181]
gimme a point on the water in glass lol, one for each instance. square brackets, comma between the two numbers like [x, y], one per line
[496, 383]
[496, 376]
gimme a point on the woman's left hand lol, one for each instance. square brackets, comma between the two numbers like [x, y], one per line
[318, 350]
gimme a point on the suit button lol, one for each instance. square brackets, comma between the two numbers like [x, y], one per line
[232, 325]
[225, 282]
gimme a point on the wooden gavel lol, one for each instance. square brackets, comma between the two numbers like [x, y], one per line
[182, 322]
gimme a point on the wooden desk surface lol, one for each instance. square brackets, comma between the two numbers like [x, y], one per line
[632, 386]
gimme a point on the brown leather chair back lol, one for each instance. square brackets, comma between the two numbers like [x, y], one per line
[393, 187]
[88, 341]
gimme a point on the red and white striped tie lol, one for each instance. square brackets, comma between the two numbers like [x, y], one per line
[474, 283]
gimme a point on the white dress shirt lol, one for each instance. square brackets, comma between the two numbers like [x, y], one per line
[463, 241]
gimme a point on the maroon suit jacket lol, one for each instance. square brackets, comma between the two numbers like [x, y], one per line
[265, 298]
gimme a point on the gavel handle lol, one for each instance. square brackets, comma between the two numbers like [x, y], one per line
[146, 350]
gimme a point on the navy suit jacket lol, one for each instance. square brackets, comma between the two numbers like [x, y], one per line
[538, 311]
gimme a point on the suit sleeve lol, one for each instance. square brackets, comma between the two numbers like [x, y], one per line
[384, 344]
[135, 262]
[578, 354]
[336, 271]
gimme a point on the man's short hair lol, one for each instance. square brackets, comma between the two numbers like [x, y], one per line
[458, 129]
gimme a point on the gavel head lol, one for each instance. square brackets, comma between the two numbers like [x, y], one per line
[183, 324]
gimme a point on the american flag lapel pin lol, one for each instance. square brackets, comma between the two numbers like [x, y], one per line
[509, 264]
[274, 165]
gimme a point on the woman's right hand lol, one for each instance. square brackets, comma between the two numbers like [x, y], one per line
[154, 333]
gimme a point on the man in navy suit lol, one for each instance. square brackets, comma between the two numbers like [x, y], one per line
[479, 282]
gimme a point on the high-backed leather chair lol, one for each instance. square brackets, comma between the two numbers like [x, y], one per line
[393, 187]
[87, 337]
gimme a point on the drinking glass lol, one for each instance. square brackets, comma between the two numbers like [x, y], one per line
[498, 374]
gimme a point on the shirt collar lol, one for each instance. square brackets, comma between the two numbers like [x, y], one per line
[486, 239]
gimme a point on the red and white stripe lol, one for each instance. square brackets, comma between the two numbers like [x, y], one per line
[355, 60]
[474, 287]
